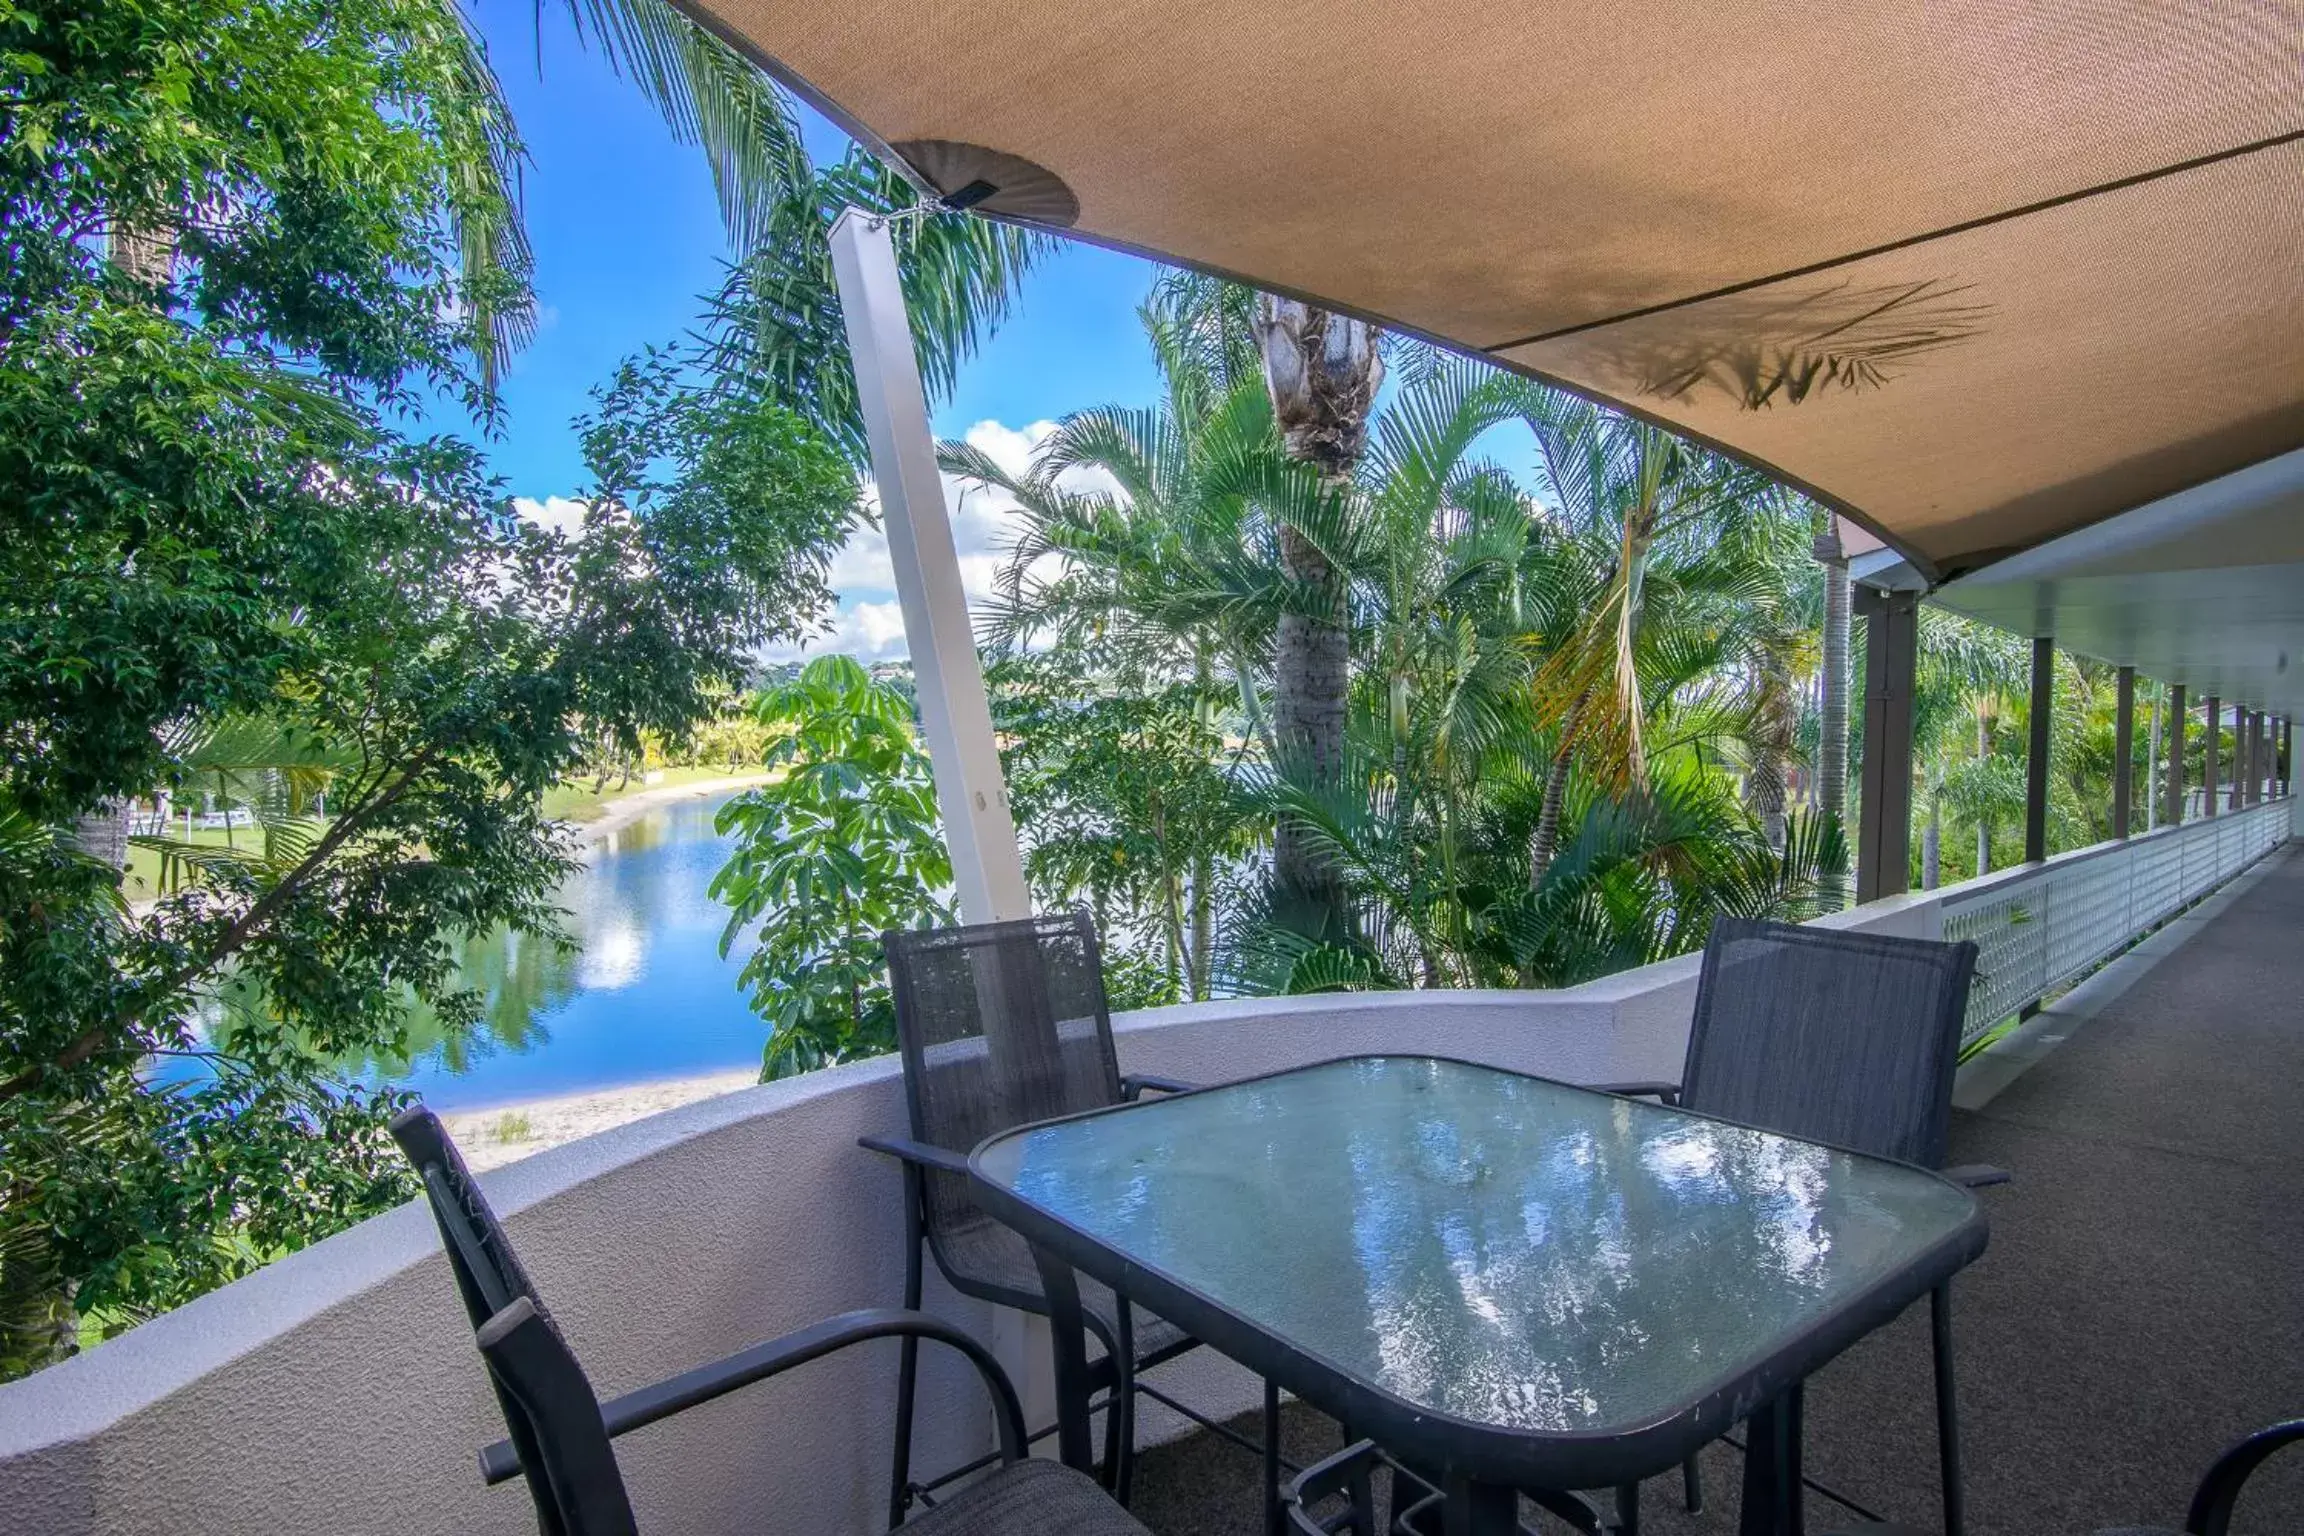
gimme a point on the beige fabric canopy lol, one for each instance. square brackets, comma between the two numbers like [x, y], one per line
[1977, 272]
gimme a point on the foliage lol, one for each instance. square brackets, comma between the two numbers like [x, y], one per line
[1584, 651]
[777, 316]
[844, 846]
[237, 234]
[1131, 800]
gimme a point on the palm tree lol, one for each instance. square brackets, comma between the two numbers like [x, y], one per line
[1668, 553]
[1322, 370]
[1178, 577]
[1180, 572]
[777, 315]
[1963, 668]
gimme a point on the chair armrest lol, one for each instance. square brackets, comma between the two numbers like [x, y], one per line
[917, 1152]
[2220, 1490]
[1665, 1093]
[499, 1462]
[1135, 1087]
[1977, 1175]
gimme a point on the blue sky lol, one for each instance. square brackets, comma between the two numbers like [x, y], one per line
[627, 236]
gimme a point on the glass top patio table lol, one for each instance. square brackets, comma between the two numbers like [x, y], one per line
[1503, 1276]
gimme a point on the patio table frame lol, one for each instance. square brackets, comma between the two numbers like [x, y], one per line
[1481, 1466]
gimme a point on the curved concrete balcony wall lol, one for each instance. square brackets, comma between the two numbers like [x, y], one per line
[338, 1390]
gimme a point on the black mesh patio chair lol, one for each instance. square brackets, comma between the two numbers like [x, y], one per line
[1002, 1024]
[1846, 1038]
[560, 1433]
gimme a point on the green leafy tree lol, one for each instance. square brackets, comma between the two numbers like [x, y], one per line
[843, 846]
[238, 236]
[1130, 799]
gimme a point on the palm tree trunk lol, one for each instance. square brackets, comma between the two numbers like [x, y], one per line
[1932, 848]
[1772, 749]
[1311, 667]
[1832, 749]
[1983, 818]
[1322, 371]
[39, 1324]
[101, 833]
[1203, 924]
[2152, 774]
[1546, 840]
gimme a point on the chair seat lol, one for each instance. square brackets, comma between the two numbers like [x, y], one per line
[1030, 1498]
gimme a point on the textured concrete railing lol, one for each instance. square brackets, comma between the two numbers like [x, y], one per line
[338, 1389]
[2041, 926]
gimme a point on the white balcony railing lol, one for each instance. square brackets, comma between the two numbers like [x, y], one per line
[2045, 925]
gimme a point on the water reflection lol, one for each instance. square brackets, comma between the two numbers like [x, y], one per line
[1494, 1247]
[640, 994]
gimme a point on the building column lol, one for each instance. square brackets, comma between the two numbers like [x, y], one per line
[955, 715]
[2287, 764]
[2237, 795]
[2123, 748]
[2215, 717]
[2173, 810]
[1884, 825]
[2255, 756]
[2036, 753]
[2232, 800]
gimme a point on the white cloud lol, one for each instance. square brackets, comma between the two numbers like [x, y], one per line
[866, 631]
[559, 514]
[868, 623]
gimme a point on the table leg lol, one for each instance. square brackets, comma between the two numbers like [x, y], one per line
[1069, 1345]
[1480, 1509]
[1795, 1467]
[1773, 1503]
[1275, 1520]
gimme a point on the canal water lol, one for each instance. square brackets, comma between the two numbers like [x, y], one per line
[643, 994]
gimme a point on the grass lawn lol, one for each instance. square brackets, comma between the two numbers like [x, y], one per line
[575, 801]
[143, 880]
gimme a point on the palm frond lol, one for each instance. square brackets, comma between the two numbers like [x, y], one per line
[710, 96]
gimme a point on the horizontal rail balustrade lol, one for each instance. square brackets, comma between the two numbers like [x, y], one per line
[2045, 925]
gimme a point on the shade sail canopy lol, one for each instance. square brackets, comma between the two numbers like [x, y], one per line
[1977, 272]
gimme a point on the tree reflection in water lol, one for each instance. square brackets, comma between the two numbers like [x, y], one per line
[639, 993]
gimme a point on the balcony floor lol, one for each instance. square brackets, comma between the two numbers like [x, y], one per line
[2141, 1305]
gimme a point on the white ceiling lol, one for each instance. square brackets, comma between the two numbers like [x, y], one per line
[2203, 588]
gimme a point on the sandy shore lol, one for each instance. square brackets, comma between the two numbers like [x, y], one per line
[505, 1133]
[622, 811]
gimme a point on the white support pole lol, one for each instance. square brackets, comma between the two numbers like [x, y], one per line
[955, 715]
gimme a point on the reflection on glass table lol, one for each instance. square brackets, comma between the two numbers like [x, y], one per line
[1507, 1280]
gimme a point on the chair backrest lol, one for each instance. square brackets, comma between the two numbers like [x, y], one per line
[1845, 1038]
[1000, 1024]
[488, 1276]
[571, 1457]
